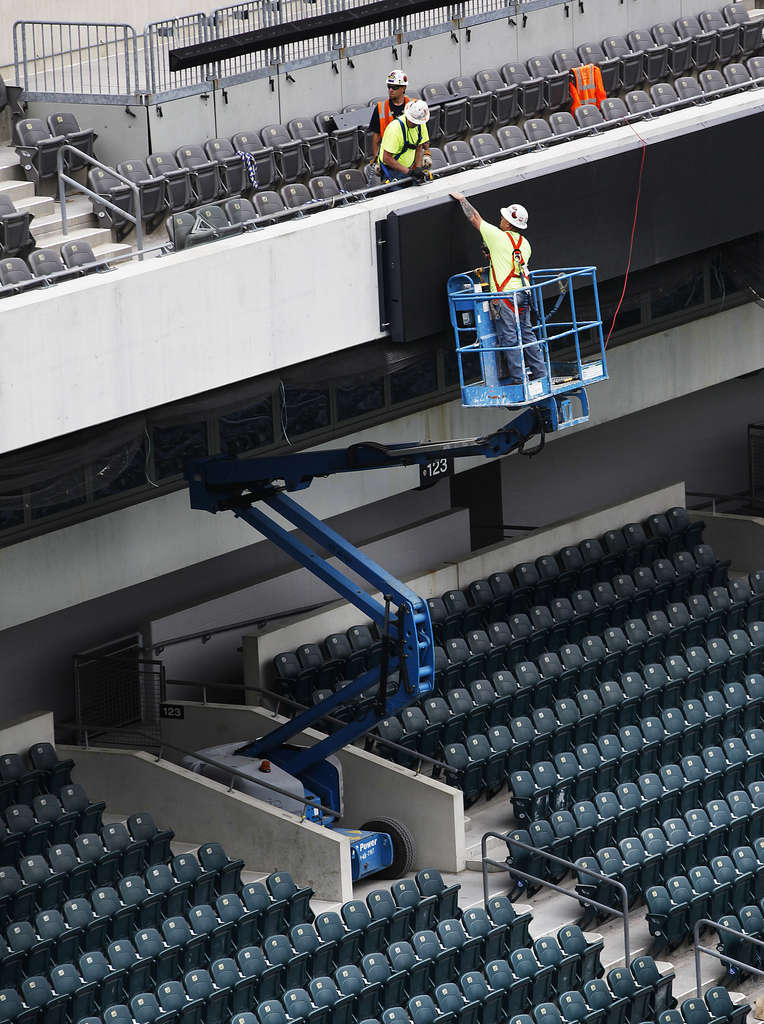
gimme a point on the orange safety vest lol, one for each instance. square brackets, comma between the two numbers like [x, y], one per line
[586, 86]
[517, 271]
[386, 115]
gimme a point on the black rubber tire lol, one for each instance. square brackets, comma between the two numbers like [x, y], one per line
[404, 847]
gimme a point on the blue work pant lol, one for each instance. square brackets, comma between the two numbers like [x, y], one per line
[507, 334]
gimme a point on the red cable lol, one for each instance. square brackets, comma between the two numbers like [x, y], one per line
[633, 231]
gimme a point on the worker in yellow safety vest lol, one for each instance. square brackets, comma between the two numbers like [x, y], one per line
[586, 86]
[401, 151]
[510, 253]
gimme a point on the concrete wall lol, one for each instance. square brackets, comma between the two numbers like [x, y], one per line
[740, 538]
[18, 736]
[222, 313]
[260, 650]
[200, 810]
[373, 786]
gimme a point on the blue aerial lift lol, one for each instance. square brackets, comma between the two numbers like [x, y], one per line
[257, 490]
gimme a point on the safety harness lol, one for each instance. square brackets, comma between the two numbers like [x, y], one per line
[518, 263]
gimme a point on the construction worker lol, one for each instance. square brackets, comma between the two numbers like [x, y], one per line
[510, 254]
[386, 111]
[586, 86]
[401, 150]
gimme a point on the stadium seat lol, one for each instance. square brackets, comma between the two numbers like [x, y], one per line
[14, 271]
[530, 91]
[631, 64]
[504, 98]
[655, 56]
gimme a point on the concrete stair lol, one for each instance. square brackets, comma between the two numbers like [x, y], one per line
[46, 228]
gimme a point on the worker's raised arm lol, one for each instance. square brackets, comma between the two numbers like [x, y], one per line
[468, 210]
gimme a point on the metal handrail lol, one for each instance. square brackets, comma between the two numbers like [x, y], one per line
[381, 740]
[698, 949]
[64, 179]
[512, 870]
[233, 772]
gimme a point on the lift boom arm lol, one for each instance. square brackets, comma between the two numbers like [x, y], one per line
[223, 483]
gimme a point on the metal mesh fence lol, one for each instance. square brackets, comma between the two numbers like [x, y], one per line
[118, 694]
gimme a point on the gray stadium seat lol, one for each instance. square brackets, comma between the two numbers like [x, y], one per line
[205, 177]
[505, 104]
[562, 123]
[457, 152]
[267, 203]
[115, 191]
[316, 151]
[564, 60]
[239, 210]
[288, 151]
[295, 195]
[736, 74]
[43, 262]
[484, 145]
[613, 109]
[662, 94]
[537, 130]
[15, 238]
[530, 91]
[638, 102]
[265, 161]
[631, 65]
[711, 81]
[37, 149]
[351, 180]
[679, 50]
[655, 56]
[438, 158]
[344, 142]
[14, 271]
[177, 180]
[448, 113]
[756, 67]
[77, 254]
[66, 124]
[323, 188]
[688, 88]
[556, 91]
[152, 189]
[233, 175]
[479, 104]
[588, 116]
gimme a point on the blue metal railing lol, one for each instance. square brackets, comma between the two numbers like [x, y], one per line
[572, 348]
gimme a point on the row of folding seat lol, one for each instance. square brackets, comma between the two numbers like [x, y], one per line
[20, 782]
[39, 144]
[558, 783]
[621, 817]
[674, 909]
[540, 732]
[48, 266]
[750, 921]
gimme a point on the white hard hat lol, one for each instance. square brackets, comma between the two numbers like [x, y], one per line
[516, 215]
[397, 78]
[418, 112]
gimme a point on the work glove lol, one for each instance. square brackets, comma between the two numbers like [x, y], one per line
[417, 174]
[426, 162]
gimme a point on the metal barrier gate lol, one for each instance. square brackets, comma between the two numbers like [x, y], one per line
[118, 692]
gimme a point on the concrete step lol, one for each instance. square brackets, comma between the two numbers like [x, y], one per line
[39, 206]
[93, 236]
[16, 190]
[78, 213]
[10, 167]
[108, 252]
